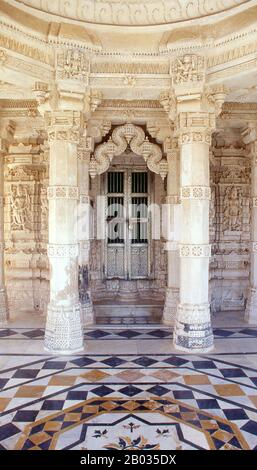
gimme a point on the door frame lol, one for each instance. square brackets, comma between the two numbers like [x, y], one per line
[128, 245]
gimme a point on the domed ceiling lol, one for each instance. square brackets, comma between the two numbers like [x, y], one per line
[132, 12]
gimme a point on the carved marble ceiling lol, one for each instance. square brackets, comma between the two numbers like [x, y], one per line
[132, 12]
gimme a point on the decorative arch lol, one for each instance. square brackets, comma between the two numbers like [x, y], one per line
[122, 137]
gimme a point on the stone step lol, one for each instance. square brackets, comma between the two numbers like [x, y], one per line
[128, 310]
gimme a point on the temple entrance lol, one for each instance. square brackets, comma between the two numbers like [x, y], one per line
[128, 227]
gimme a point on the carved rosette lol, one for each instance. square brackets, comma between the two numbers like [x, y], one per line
[64, 332]
[195, 192]
[122, 137]
[193, 329]
[63, 192]
[64, 125]
[194, 251]
[62, 251]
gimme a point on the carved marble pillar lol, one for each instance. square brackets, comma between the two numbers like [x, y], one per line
[84, 234]
[172, 204]
[251, 306]
[193, 332]
[64, 332]
[3, 296]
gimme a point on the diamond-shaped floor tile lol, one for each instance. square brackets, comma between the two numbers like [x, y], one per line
[130, 390]
[95, 375]
[129, 375]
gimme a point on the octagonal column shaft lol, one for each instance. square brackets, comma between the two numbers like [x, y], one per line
[171, 223]
[193, 332]
[251, 306]
[3, 296]
[64, 333]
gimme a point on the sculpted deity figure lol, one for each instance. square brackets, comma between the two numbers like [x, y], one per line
[186, 69]
[20, 203]
[232, 210]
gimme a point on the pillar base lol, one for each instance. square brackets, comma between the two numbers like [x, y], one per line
[251, 306]
[193, 331]
[4, 314]
[64, 332]
[87, 312]
[170, 306]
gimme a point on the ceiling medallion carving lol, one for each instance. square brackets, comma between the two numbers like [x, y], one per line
[132, 12]
[121, 138]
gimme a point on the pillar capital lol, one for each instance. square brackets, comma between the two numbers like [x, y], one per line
[64, 125]
[195, 127]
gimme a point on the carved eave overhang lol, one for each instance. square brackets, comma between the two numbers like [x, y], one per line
[237, 114]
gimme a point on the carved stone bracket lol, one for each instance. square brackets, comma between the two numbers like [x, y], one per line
[195, 192]
[122, 137]
[193, 251]
[254, 201]
[63, 192]
[62, 251]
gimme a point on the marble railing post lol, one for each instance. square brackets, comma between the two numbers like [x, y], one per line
[251, 305]
[3, 296]
[64, 332]
[172, 201]
[193, 332]
[84, 230]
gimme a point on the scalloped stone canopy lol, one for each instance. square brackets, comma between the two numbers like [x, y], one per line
[132, 12]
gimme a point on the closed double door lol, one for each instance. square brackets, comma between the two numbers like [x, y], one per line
[127, 224]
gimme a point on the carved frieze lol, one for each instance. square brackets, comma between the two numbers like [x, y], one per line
[195, 192]
[63, 192]
[62, 251]
[192, 251]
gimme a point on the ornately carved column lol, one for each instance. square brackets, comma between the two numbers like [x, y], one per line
[172, 202]
[193, 332]
[84, 231]
[3, 297]
[251, 306]
[64, 332]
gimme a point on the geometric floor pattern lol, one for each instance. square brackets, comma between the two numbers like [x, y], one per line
[126, 333]
[127, 400]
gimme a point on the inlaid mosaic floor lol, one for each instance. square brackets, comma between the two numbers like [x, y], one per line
[122, 398]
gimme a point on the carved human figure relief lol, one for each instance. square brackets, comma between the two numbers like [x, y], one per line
[20, 207]
[188, 68]
[232, 218]
[44, 208]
